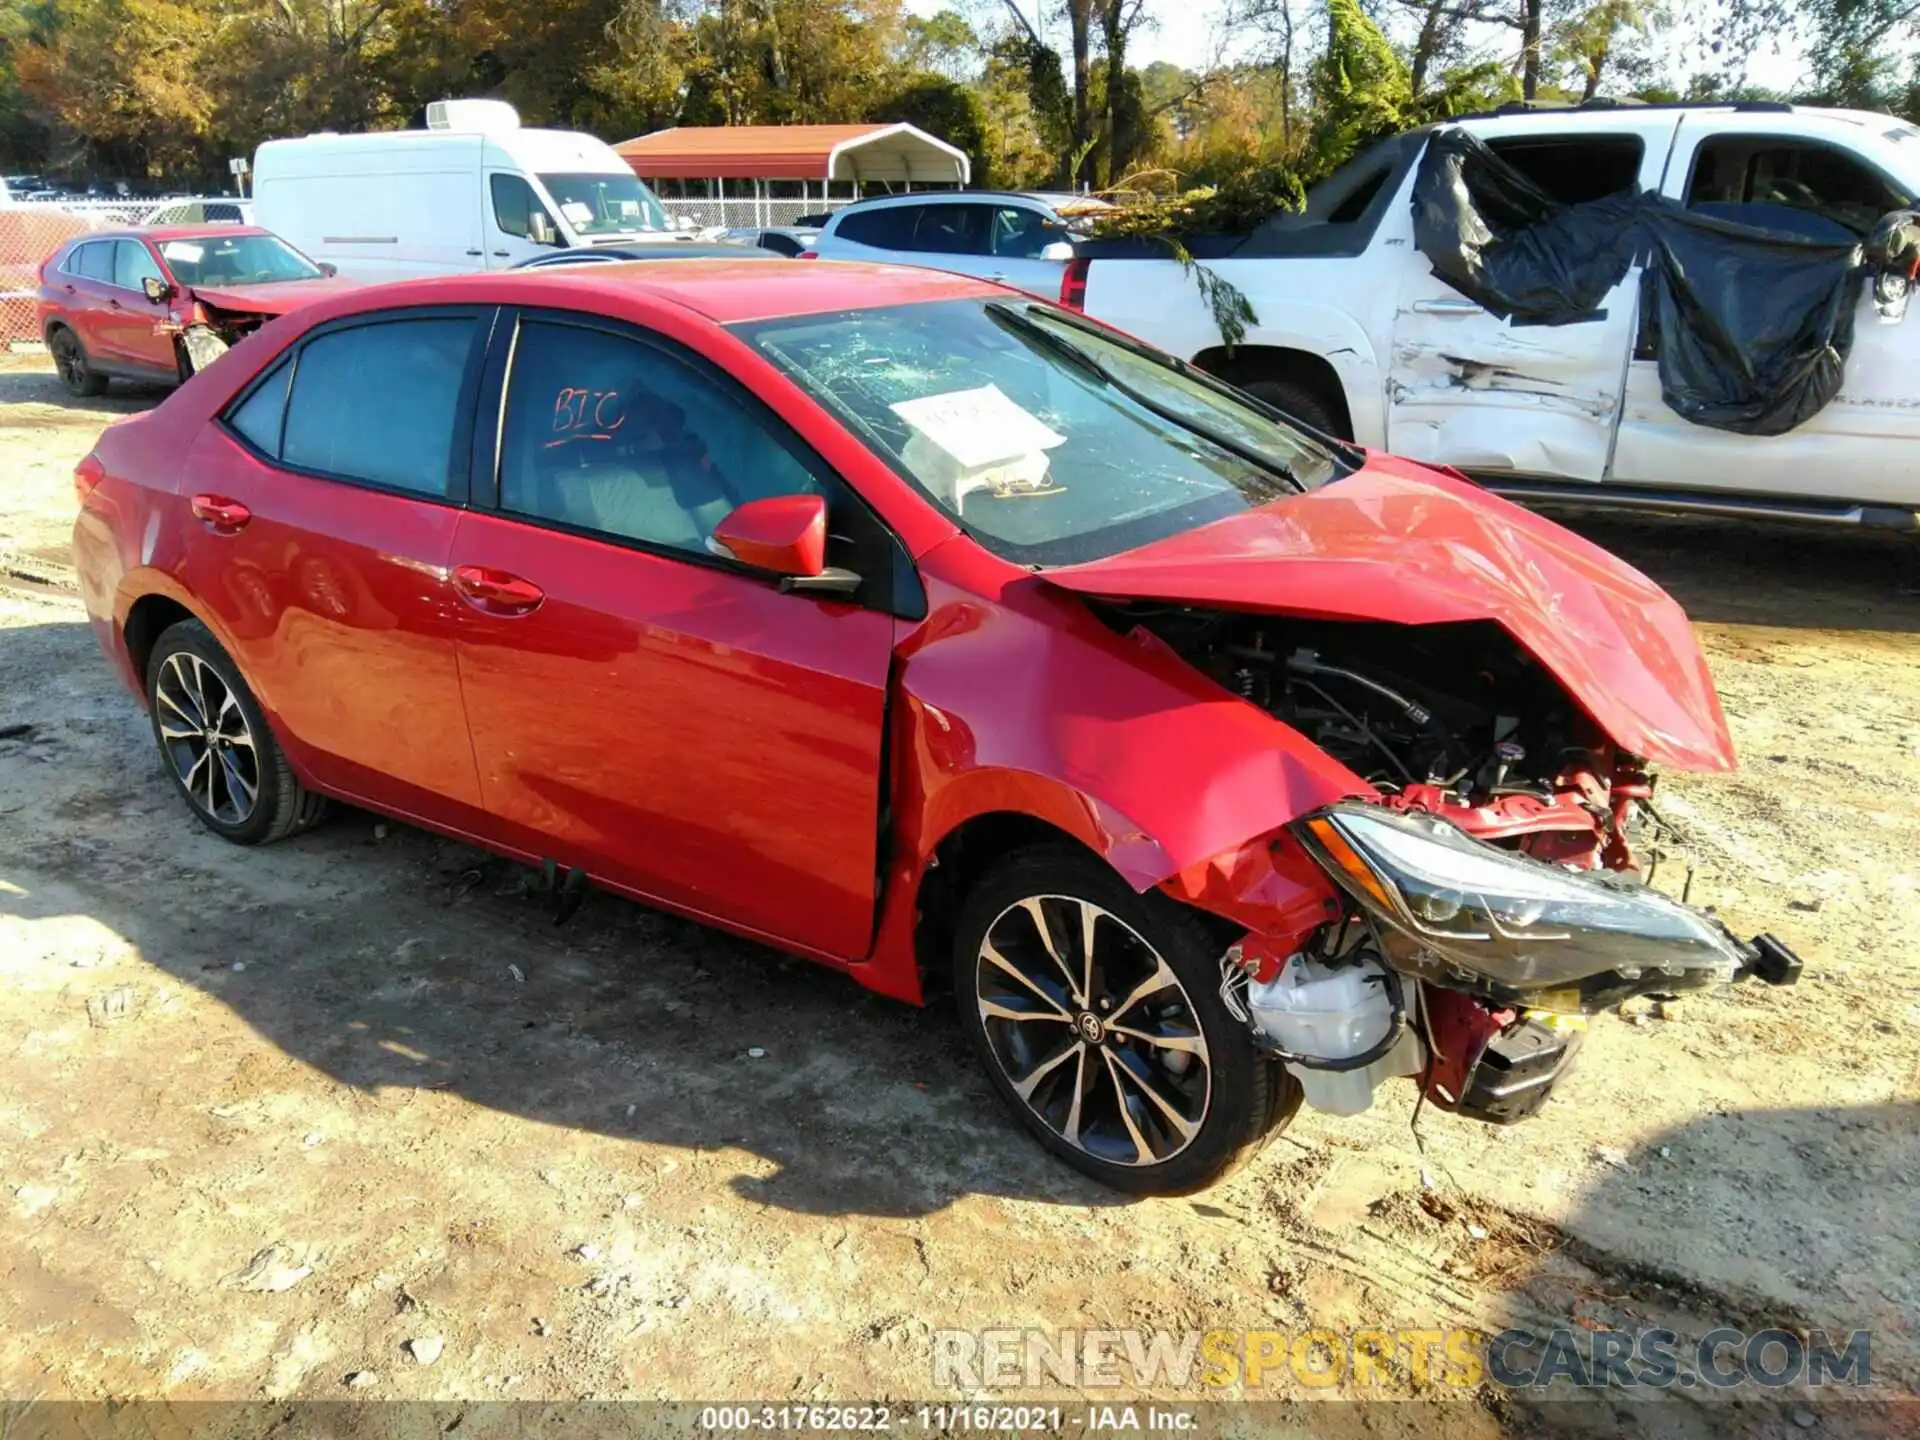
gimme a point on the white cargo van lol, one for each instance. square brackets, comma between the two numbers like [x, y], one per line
[473, 191]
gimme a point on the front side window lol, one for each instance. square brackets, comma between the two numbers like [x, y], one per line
[236, 260]
[378, 402]
[1051, 442]
[606, 204]
[513, 205]
[1803, 175]
[133, 263]
[1023, 234]
[606, 434]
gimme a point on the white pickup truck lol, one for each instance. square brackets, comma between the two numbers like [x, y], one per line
[1356, 334]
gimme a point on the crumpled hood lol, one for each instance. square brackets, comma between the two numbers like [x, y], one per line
[275, 298]
[1399, 542]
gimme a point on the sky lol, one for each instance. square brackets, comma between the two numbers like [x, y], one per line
[1189, 33]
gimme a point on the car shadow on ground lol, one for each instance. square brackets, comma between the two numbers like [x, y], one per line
[1749, 573]
[44, 387]
[383, 956]
[1766, 1210]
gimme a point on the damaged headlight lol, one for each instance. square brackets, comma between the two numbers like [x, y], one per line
[1450, 903]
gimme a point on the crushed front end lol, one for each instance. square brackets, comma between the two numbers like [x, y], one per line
[1491, 894]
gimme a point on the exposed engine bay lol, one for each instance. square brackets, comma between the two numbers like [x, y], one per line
[1471, 969]
[1455, 719]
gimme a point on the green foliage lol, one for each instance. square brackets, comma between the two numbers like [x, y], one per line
[952, 112]
[1242, 200]
[1360, 85]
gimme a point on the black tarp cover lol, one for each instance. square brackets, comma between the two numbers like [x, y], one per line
[1750, 326]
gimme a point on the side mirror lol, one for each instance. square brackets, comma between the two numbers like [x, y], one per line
[540, 229]
[329, 269]
[156, 289]
[787, 536]
[1058, 250]
[685, 222]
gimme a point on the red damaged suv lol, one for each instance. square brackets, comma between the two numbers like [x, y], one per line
[157, 304]
[947, 638]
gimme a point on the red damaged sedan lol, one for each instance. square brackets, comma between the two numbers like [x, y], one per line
[949, 639]
[155, 305]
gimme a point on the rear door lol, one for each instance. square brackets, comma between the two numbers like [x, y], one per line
[884, 233]
[1860, 447]
[642, 709]
[954, 235]
[348, 464]
[87, 280]
[1503, 397]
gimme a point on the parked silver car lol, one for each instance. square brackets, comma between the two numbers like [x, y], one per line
[1016, 239]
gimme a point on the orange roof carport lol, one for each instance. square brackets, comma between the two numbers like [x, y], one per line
[896, 154]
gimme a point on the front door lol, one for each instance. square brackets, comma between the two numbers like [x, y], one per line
[132, 322]
[1503, 397]
[324, 513]
[509, 222]
[1860, 446]
[641, 709]
[1017, 235]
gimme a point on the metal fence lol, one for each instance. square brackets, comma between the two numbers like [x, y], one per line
[31, 229]
[748, 212]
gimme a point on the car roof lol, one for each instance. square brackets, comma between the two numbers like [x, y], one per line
[725, 292]
[160, 233]
[940, 197]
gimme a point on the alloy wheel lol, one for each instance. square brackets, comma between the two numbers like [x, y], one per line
[207, 739]
[1093, 1030]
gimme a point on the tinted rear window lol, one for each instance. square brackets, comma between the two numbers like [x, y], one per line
[889, 229]
[378, 402]
[258, 416]
[94, 261]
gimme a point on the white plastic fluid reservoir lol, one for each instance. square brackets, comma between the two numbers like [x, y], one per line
[1310, 1009]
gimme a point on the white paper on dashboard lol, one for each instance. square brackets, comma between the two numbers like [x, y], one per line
[576, 212]
[977, 427]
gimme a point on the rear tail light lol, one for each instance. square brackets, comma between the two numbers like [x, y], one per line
[808, 255]
[1073, 285]
[87, 475]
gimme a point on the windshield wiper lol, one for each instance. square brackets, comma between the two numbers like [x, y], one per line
[1092, 365]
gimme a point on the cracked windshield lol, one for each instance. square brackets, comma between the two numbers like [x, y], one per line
[1049, 442]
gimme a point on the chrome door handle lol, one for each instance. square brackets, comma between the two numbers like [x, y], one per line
[475, 252]
[1446, 307]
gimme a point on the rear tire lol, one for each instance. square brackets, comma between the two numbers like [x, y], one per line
[1303, 402]
[1129, 1069]
[76, 369]
[215, 743]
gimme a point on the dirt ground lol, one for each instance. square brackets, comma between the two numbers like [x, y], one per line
[267, 1117]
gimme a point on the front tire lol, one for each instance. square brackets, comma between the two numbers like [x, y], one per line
[1098, 1017]
[76, 370]
[1303, 402]
[215, 743]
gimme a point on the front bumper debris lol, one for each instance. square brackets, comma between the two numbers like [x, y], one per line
[1770, 961]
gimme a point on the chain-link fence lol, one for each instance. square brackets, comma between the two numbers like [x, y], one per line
[748, 212]
[30, 231]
